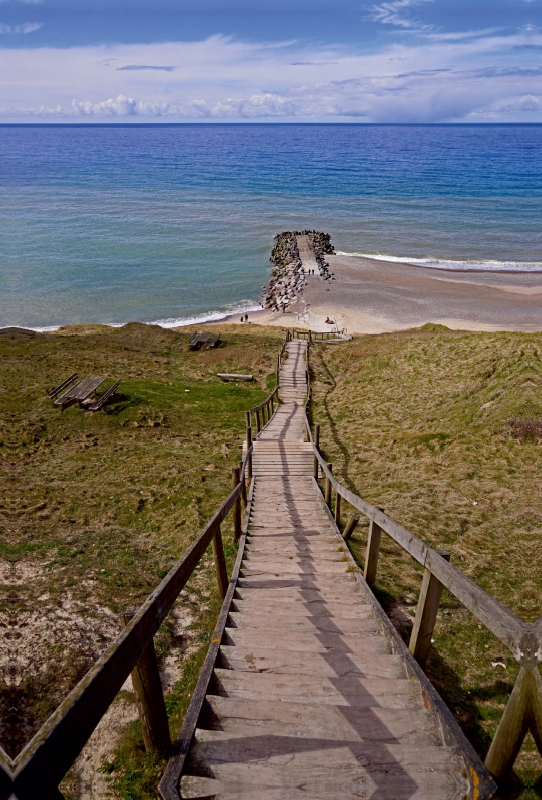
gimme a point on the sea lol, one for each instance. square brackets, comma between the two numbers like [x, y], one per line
[174, 224]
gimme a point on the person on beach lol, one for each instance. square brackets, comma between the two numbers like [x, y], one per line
[246, 317]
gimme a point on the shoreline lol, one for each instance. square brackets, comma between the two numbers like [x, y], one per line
[371, 295]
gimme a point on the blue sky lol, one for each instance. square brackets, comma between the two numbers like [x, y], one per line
[175, 60]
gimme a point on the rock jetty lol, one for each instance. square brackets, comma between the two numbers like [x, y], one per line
[288, 275]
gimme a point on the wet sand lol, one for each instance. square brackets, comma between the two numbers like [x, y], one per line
[369, 296]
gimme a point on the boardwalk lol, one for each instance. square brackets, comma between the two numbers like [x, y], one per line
[307, 255]
[309, 698]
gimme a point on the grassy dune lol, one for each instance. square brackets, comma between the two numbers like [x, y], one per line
[442, 429]
[99, 506]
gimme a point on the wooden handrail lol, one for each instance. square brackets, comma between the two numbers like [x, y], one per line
[267, 399]
[520, 637]
[523, 711]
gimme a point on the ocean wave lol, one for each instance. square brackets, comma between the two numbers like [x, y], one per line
[243, 306]
[449, 264]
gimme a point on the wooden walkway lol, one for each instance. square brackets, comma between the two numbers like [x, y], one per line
[310, 697]
[307, 255]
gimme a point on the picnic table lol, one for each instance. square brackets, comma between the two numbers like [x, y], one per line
[81, 391]
[207, 338]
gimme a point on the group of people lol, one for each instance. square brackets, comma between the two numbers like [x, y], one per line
[245, 318]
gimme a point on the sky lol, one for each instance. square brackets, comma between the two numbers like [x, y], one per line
[413, 61]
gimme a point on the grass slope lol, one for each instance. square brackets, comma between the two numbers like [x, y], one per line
[99, 506]
[420, 423]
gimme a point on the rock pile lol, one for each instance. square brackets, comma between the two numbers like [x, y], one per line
[288, 278]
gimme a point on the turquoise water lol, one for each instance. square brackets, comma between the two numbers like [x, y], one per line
[174, 223]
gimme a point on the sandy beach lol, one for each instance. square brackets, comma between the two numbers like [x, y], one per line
[370, 296]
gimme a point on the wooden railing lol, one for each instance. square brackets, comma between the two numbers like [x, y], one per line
[523, 711]
[317, 336]
[42, 764]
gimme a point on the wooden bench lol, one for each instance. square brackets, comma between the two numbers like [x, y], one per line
[105, 398]
[232, 376]
[61, 386]
[81, 391]
[197, 340]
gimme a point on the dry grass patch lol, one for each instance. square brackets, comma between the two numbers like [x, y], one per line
[420, 423]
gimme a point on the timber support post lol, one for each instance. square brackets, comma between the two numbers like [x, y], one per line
[516, 720]
[337, 509]
[373, 551]
[243, 485]
[235, 478]
[351, 526]
[328, 485]
[249, 445]
[150, 698]
[220, 562]
[426, 614]
[317, 447]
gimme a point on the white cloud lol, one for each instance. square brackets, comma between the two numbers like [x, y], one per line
[396, 13]
[475, 78]
[26, 27]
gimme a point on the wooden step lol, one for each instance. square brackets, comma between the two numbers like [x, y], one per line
[352, 691]
[292, 662]
[303, 624]
[262, 719]
[315, 642]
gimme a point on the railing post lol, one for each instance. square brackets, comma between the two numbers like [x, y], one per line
[235, 478]
[220, 562]
[317, 447]
[249, 445]
[426, 615]
[150, 698]
[337, 509]
[328, 485]
[373, 551]
[513, 726]
[243, 485]
[350, 526]
[258, 423]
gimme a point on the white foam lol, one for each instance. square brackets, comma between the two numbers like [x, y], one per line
[442, 263]
[244, 306]
[209, 316]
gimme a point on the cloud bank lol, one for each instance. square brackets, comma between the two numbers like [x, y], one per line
[477, 76]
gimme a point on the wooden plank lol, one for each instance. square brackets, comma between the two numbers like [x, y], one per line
[276, 660]
[313, 642]
[311, 721]
[355, 692]
[290, 610]
[360, 626]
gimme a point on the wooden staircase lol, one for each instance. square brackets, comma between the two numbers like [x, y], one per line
[313, 694]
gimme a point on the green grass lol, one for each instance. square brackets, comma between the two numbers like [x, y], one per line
[419, 423]
[99, 506]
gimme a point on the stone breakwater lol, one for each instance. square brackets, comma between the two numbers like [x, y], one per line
[288, 275]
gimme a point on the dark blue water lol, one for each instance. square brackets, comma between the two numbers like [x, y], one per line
[151, 222]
